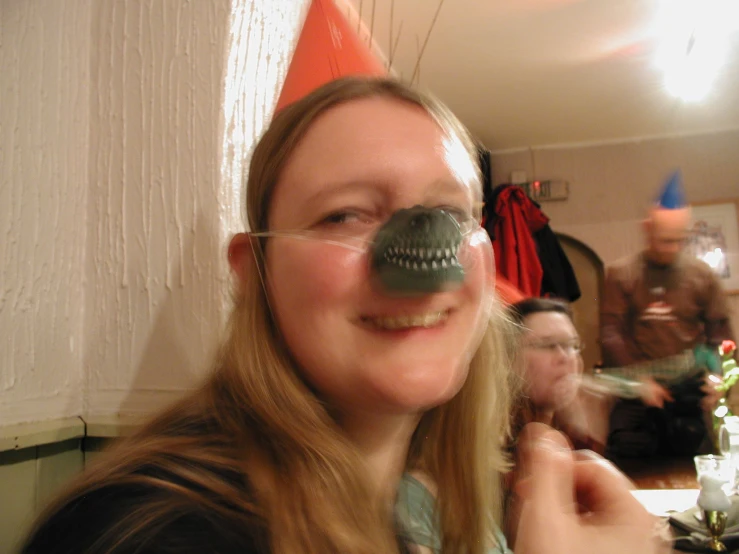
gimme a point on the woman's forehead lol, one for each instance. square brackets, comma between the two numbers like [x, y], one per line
[548, 323]
[377, 140]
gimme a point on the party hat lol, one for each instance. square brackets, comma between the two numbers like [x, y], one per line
[672, 196]
[328, 48]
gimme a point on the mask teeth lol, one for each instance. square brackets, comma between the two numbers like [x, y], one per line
[421, 265]
[424, 253]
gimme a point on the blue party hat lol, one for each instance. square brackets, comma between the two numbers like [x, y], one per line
[673, 195]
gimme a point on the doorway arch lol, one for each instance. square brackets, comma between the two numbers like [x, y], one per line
[590, 272]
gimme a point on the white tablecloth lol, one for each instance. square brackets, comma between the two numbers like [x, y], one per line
[661, 501]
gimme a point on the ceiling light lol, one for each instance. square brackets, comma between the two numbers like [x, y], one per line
[693, 42]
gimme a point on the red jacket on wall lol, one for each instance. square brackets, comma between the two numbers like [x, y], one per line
[516, 219]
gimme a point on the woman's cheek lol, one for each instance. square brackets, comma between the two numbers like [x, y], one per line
[317, 272]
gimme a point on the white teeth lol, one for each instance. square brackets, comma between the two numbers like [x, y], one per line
[416, 255]
[404, 322]
[443, 263]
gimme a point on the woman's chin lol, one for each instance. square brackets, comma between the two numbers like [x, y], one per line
[420, 390]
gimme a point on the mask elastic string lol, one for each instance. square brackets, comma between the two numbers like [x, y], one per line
[307, 235]
[260, 260]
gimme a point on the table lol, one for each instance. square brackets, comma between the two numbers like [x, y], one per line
[662, 501]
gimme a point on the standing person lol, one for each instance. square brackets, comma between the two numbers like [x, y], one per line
[364, 344]
[657, 305]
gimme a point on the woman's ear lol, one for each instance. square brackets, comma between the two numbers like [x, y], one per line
[241, 256]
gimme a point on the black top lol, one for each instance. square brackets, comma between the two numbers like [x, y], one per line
[180, 526]
[148, 519]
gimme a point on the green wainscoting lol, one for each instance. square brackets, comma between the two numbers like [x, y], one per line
[37, 460]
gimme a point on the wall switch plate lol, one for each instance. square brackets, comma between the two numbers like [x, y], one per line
[542, 191]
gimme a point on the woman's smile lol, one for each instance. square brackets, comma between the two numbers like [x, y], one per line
[418, 320]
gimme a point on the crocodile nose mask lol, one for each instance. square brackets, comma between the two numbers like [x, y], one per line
[415, 252]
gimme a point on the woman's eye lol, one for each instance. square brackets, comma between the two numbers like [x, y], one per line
[460, 215]
[340, 217]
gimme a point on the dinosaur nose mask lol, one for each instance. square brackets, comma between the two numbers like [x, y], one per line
[415, 252]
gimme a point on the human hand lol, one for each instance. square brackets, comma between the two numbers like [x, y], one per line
[711, 392]
[577, 504]
[586, 419]
[653, 394]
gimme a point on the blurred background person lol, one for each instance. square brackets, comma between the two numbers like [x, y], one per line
[663, 314]
[551, 373]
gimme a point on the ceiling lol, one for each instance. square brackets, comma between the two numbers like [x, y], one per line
[532, 73]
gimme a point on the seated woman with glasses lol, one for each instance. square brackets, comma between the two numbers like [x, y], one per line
[551, 366]
[555, 390]
[551, 369]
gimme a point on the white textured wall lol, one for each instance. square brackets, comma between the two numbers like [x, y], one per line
[181, 92]
[44, 130]
[611, 185]
[124, 129]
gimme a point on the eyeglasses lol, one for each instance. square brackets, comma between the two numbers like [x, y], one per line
[569, 347]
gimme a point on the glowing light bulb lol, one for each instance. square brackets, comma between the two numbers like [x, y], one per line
[693, 44]
[714, 257]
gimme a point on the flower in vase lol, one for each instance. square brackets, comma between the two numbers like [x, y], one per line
[726, 348]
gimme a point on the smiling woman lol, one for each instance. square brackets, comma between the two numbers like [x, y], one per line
[333, 394]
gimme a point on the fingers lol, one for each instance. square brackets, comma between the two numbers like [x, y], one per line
[547, 466]
[655, 394]
[712, 396]
[601, 489]
[609, 519]
[557, 478]
[713, 379]
[654, 401]
[709, 403]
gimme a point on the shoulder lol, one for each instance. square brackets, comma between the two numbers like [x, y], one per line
[144, 518]
[627, 266]
[418, 516]
[416, 510]
[697, 269]
[625, 272]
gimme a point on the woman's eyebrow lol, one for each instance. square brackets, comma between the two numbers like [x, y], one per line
[438, 191]
[448, 186]
[555, 337]
[345, 187]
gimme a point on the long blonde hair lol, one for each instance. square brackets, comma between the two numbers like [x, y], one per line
[256, 420]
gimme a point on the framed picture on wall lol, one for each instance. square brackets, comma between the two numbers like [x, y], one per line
[714, 238]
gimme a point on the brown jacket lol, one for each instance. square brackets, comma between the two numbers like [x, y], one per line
[650, 312]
